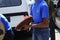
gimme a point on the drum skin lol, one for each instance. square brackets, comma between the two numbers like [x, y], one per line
[24, 23]
[2, 31]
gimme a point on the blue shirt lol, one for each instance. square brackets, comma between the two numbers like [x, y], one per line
[5, 22]
[39, 11]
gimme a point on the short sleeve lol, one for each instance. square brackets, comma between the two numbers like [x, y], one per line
[45, 12]
[5, 22]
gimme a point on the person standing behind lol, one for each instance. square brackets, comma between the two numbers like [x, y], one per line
[52, 19]
[40, 25]
[9, 35]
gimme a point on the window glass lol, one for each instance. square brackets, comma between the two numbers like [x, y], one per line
[7, 3]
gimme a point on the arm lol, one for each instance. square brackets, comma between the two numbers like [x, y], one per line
[45, 18]
[5, 22]
[44, 24]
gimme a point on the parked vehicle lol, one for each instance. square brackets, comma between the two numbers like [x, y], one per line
[14, 11]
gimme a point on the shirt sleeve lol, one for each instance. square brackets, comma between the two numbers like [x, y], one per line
[5, 22]
[45, 12]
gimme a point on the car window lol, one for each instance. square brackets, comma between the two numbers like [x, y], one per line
[7, 3]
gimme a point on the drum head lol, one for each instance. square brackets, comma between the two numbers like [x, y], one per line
[26, 21]
[2, 31]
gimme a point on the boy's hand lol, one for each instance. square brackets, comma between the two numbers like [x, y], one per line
[26, 27]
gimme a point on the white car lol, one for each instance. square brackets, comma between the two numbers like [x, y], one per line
[57, 18]
[13, 10]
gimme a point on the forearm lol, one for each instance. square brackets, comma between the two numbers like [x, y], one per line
[40, 25]
[44, 24]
